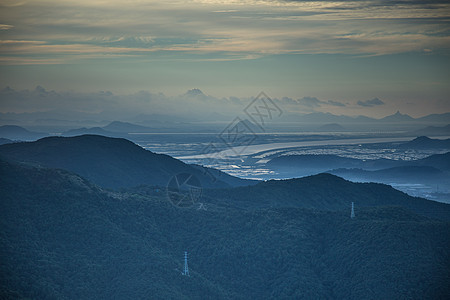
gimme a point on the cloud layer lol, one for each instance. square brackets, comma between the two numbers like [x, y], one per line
[371, 102]
[52, 32]
[193, 104]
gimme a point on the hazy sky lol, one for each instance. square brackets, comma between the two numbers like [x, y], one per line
[374, 57]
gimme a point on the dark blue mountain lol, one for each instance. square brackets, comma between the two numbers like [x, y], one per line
[18, 133]
[110, 162]
[5, 141]
[423, 142]
[326, 192]
[91, 130]
[405, 174]
[62, 237]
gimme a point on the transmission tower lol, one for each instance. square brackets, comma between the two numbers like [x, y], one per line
[186, 268]
[352, 214]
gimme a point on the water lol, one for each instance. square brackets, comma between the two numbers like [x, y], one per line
[248, 159]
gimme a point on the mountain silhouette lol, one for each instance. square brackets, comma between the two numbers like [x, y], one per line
[423, 142]
[110, 162]
[326, 192]
[63, 237]
[14, 132]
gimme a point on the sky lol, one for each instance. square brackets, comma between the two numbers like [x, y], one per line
[345, 57]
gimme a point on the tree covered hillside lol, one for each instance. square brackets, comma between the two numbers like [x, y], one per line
[64, 238]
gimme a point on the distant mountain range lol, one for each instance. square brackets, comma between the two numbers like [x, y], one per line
[405, 174]
[5, 141]
[433, 170]
[13, 132]
[111, 162]
[169, 123]
[398, 117]
[92, 130]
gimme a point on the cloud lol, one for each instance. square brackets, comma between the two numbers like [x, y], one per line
[5, 27]
[194, 103]
[335, 103]
[311, 102]
[226, 30]
[371, 103]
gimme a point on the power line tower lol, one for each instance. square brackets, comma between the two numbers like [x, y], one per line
[186, 268]
[352, 214]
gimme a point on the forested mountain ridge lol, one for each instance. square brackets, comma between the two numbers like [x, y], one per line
[325, 192]
[64, 237]
[111, 162]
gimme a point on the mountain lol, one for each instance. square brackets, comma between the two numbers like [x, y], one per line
[5, 141]
[108, 162]
[113, 129]
[61, 237]
[438, 161]
[435, 118]
[92, 130]
[65, 238]
[428, 177]
[397, 118]
[403, 122]
[326, 192]
[423, 142]
[195, 93]
[125, 127]
[14, 132]
[405, 174]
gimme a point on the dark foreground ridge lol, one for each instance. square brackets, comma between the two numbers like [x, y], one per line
[326, 192]
[63, 237]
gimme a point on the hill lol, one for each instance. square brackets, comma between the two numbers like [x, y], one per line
[423, 142]
[397, 118]
[406, 174]
[326, 192]
[125, 127]
[5, 141]
[14, 132]
[109, 162]
[435, 118]
[438, 161]
[62, 237]
[92, 131]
